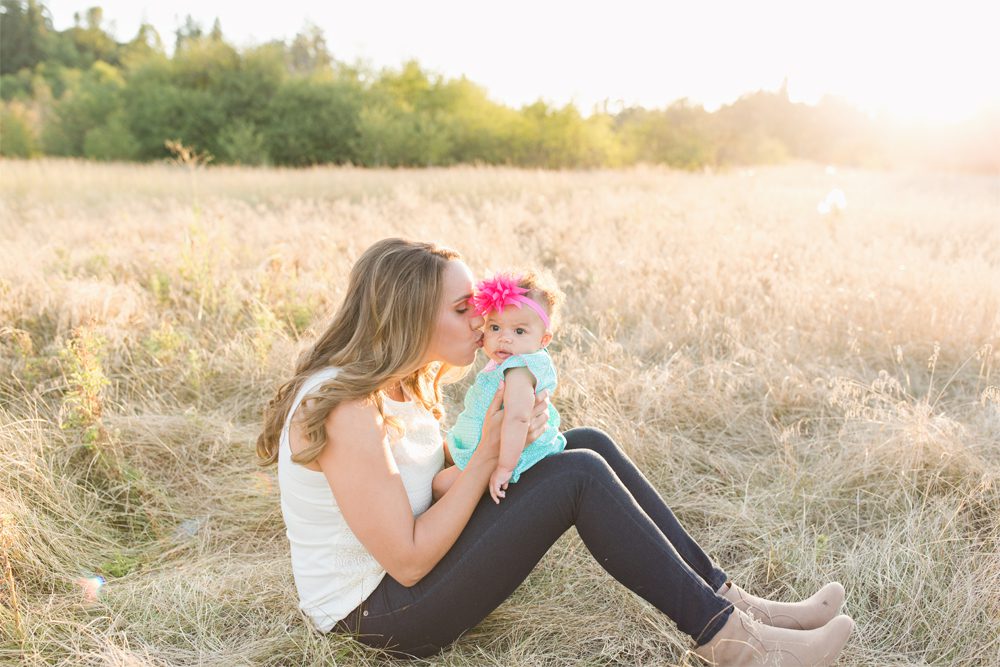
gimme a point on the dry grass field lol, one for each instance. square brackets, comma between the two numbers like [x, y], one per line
[815, 395]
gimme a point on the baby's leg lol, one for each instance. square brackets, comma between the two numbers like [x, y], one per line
[443, 481]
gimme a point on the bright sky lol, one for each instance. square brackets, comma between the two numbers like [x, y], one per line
[919, 61]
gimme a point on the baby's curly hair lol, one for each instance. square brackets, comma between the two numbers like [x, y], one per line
[542, 287]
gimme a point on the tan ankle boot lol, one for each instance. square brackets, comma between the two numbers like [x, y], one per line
[745, 642]
[814, 612]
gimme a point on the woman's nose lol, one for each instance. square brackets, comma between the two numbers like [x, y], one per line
[477, 322]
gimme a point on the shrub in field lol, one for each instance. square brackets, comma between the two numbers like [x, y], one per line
[111, 141]
[313, 120]
[158, 110]
[83, 358]
[241, 143]
[86, 105]
[16, 136]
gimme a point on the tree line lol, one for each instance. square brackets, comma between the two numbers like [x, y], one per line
[79, 92]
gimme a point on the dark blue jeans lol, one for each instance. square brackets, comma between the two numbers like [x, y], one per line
[620, 517]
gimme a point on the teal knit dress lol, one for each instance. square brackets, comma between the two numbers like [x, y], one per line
[464, 436]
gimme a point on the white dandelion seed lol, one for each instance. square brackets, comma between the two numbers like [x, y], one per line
[835, 200]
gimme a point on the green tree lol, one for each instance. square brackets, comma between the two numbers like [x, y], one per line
[680, 135]
[393, 136]
[146, 44]
[187, 98]
[241, 142]
[16, 136]
[16, 86]
[754, 129]
[308, 51]
[313, 120]
[478, 129]
[246, 87]
[83, 46]
[25, 35]
[410, 88]
[191, 30]
[405, 120]
[216, 34]
[112, 140]
[156, 112]
[87, 104]
[561, 138]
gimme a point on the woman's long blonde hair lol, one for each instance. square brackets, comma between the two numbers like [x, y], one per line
[378, 337]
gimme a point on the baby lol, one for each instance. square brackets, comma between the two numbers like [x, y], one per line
[519, 311]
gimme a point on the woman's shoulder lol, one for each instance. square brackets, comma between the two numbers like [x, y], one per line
[354, 408]
[315, 380]
[355, 421]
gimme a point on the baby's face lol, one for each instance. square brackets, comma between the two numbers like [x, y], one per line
[513, 331]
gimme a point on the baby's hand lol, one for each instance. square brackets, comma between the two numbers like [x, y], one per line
[498, 484]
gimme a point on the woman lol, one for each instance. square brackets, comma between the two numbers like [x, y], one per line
[356, 437]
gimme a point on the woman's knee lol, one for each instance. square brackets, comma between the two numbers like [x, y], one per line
[586, 437]
[586, 463]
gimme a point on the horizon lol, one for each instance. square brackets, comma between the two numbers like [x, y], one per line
[758, 53]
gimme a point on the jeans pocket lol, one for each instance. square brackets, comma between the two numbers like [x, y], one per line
[351, 624]
[372, 616]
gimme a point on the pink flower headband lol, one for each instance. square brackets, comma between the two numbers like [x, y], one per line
[500, 291]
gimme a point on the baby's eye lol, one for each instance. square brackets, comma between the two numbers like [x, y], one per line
[519, 331]
[494, 327]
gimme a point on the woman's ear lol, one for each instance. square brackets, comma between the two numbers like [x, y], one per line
[546, 339]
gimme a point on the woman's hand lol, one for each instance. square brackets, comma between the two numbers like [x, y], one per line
[539, 417]
[489, 441]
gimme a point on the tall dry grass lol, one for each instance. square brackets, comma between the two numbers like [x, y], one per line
[815, 396]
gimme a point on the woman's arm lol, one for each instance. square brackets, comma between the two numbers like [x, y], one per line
[362, 473]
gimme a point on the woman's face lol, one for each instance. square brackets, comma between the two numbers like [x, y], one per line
[458, 332]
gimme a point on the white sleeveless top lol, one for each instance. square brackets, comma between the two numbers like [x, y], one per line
[333, 571]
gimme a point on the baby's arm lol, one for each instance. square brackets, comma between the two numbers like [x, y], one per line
[518, 401]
